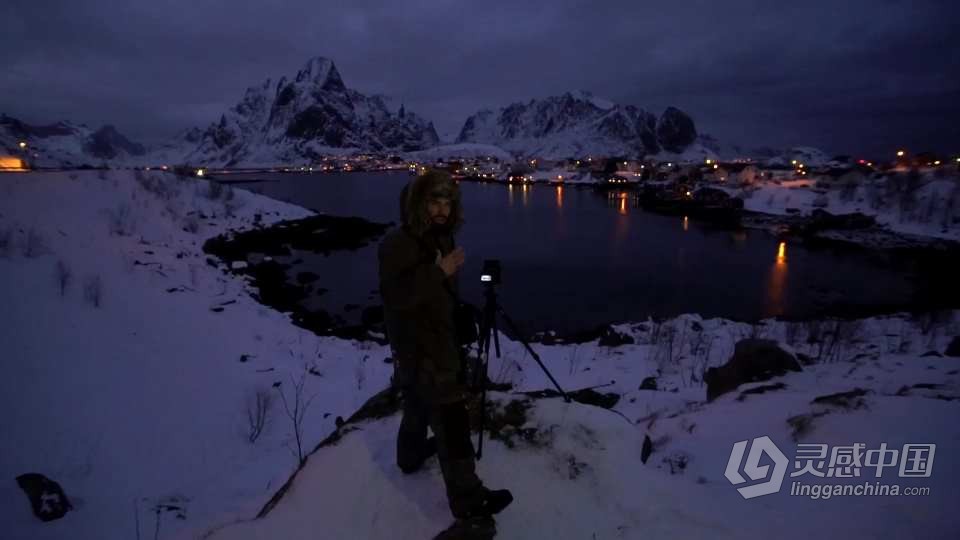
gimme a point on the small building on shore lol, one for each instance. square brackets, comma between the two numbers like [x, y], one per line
[12, 163]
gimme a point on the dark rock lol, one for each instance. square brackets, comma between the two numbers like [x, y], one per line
[371, 315]
[753, 360]
[954, 348]
[649, 383]
[821, 220]
[587, 396]
[760, 390]
[47, 498]
[852, 399]
[646, 450]
[805, 360]
[930, 353]
[612, 338]
[675, 130]
[306, 277]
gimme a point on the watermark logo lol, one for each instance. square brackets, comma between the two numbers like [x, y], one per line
[772, 479]
[821, 461]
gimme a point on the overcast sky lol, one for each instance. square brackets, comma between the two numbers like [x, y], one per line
[859, 77]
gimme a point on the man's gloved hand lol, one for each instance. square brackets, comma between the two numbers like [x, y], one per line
[452, 262]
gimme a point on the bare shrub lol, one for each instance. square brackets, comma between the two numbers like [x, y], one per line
[34, 244]
[6, 241]
[296, 410]
[93, 291]
[191, 224]
[361, 372]
[120, 220]
[214, 190]
[64, 276]
[258, 413]
[73, 176]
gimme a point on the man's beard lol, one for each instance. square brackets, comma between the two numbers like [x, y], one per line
[440, 227]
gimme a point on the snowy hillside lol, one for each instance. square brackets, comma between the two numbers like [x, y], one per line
[924, 205]
[579, 471]
[134, 368]
[65, 144]
[131, 364]
[579, 124]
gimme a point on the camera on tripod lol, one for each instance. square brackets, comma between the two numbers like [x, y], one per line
[490, 274]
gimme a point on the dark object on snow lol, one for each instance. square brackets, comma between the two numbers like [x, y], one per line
[805, 360]
[371, 315]
[954, 348]
[930, 353]
[646, 450]
[852, 399]
[479, 528]
[650, 383]
[47, 498]
[587, 396]
[753, 360]
[760, 390]
[338, 421]
[306, 277]
[821, 220]
[612, 338]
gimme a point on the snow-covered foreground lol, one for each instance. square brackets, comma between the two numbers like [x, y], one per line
[580, 475]
[143, 400]
[135, 398]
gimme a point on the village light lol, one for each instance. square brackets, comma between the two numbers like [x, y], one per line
[716, 166]
[793, 162]
[23, 145]
[937, 162]
[709, 161]
[200, 172]
[900, 153]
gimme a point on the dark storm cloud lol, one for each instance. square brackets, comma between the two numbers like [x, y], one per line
[860, 76]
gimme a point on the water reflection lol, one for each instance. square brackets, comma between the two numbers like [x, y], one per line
[526, 194]
[686, 224]
[559, 196]
[510, 194]
[777, 283]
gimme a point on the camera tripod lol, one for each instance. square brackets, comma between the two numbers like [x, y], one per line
[488, 332]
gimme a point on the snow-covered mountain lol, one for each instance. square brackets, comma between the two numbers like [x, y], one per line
[578, 124]
[309, 115]
[65, 144]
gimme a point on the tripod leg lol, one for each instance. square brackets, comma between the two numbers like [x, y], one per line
[533, 353]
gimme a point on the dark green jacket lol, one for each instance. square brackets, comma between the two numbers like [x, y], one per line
[418, 314]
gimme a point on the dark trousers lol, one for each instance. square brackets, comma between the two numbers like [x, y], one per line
[450, 424]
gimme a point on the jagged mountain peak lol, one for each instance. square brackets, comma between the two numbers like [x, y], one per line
[579, 123]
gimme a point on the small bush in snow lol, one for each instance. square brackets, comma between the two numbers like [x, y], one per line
[34, 244]
[191, 224]
[64, 276]
[120, 220]
[296, 409]
[214, 190]
[258, 413]
[6, 241]
[93, 291]
[73, 176]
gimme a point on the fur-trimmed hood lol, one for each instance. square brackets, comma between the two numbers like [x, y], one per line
[414, 197]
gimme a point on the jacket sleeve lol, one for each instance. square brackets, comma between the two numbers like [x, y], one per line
[406, 280]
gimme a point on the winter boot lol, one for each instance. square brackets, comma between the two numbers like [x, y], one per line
[476, 528]
[429, 450]
[490, 502]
